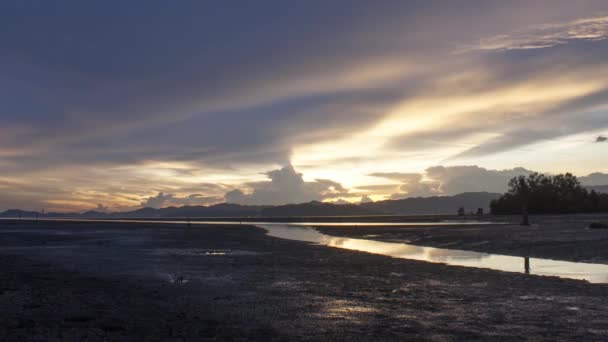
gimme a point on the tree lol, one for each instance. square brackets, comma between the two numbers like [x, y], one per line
[540, 194]
[519, 187]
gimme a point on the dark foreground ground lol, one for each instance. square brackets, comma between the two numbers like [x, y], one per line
[119, 282]
[560, 237]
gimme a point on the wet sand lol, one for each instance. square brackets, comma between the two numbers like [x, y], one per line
[135, 281]
[559, 237]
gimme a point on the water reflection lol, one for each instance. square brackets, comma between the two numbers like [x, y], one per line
[594, 273]
[301, 231]
[446, 255]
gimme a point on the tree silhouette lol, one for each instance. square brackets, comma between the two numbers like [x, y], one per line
[519, 187]
[540, 194]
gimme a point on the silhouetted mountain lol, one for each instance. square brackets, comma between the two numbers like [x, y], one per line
[218, 210]
[598, 188]
[14, 213]
[409, 206]
[470, 201]
[18, 213]
[316, 208]
[94, 214]
[140, 213]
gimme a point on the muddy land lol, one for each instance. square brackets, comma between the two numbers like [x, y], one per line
[73, 281]
[560, 237]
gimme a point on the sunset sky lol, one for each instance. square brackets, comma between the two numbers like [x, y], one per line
[115, 105]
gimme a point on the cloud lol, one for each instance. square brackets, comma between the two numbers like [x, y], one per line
[451, 180]
[458, 179]
[546, 35]
[412, 184]
[236, 196]
[91, 110]
[398, 176]
[542, 125]
[366, 199]
[102, 208]
[164, 200]
[413, 189]
[157, 201]
[286, 186]
[378, 188]
[68, 96]
[601, 139]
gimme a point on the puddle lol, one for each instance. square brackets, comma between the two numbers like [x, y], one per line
[594, 273]
[200, 252]
[175, 278]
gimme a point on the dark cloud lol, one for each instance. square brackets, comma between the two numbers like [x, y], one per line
[90, 88]
[78, 74]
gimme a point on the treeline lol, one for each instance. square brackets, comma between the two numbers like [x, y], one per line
[540, 194]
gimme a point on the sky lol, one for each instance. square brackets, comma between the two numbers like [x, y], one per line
[116, 105]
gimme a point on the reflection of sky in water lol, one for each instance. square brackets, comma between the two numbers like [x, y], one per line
[595, 273]
[301, 231]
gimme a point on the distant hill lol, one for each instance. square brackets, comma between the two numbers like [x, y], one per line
[434, 205]
[598, 188]
[19, 213]
[218, 210]
[409, 206]
[316, 208]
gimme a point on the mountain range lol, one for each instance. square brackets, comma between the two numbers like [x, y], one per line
[598, 188]
[470, 201]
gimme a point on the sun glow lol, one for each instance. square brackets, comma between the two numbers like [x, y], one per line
[349, 159]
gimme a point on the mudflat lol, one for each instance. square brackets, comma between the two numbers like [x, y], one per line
[72, 281]
[560, 237]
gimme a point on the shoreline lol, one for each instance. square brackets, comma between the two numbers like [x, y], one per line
[556, 237]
